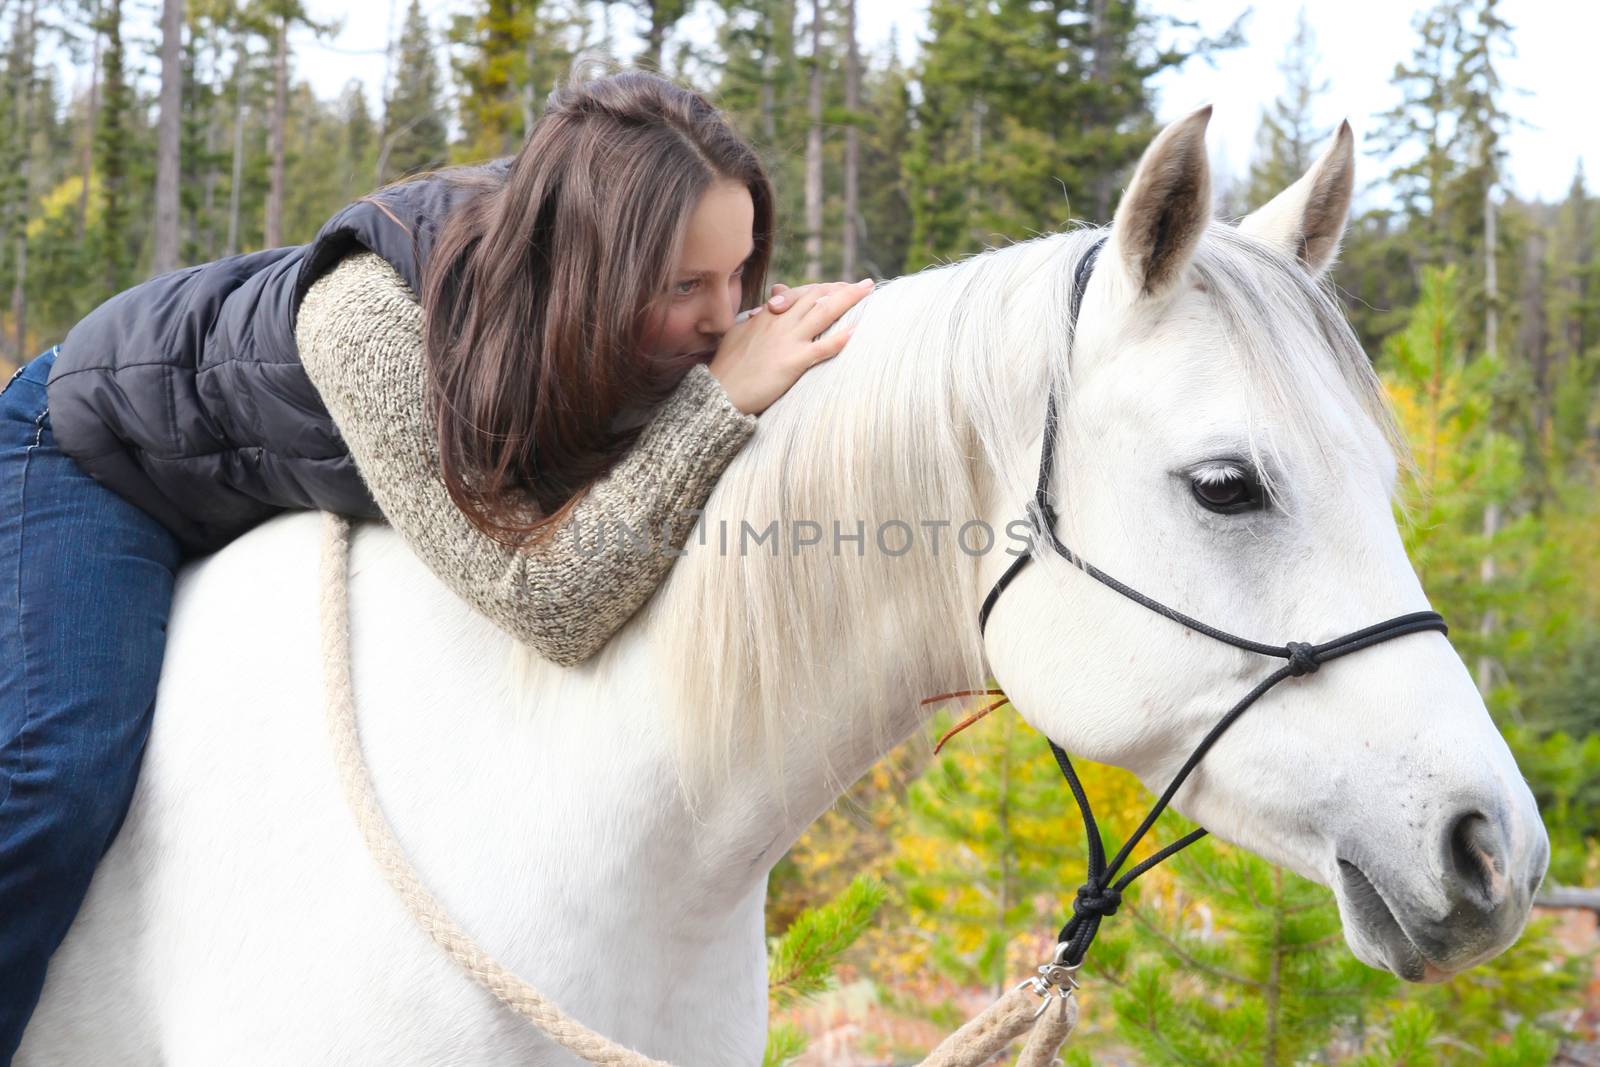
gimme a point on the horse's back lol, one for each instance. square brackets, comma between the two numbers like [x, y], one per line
[239, 919]
[238, 784]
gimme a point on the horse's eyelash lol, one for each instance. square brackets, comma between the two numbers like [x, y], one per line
[1215, 475]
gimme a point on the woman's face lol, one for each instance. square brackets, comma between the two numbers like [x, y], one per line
[707, 282]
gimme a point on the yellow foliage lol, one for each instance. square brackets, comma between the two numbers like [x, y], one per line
[61, 202]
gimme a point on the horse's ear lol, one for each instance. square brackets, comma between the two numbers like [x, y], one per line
[1166, 207]
[1307, 219]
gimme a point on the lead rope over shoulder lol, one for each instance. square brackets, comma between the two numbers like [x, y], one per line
[385, 848]
[976, 1043]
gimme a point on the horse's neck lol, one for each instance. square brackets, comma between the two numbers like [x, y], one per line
[568, 775]
[852, 640]
[770, 791]
[752, 819]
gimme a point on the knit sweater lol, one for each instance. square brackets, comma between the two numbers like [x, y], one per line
[359, 333]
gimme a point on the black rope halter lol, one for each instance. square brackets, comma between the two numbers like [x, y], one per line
[1100, 896]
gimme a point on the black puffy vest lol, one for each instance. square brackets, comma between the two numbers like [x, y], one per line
[185, 394]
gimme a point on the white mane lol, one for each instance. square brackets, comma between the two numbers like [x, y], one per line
[938, 399]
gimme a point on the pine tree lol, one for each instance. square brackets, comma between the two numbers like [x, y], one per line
[1569, 427]
[986, 857]
[801, 963]
[202, 149]
[1482, 122]
[280, 13]
[414, 121]
[816, 64]
[762, 87]
[280, 16]
[1418, 128]
[660, 17]
[947, 146]
[18, 127]
[885, 139]
[319, 171]
[1245, 964]
[93, 23]
[1446, 135]
[242, 25]
[850, 240]
[113, 244]
[1463, 463]
[360, 149]
[1030, 113]
[504, 53]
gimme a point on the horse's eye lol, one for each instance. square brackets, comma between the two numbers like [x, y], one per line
[1226, 489]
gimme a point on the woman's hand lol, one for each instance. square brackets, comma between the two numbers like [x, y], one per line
[765, 353]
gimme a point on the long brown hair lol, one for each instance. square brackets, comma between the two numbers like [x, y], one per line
[538, 293]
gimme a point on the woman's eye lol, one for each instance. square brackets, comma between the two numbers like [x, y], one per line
[1227, 489]
[686, 288]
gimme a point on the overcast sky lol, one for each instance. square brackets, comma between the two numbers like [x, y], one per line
[1359, 41]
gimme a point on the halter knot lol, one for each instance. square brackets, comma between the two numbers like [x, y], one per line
[1042, 515]
[1303, 658]
[1093, 901]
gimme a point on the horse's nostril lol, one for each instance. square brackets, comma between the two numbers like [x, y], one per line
[1477, 859]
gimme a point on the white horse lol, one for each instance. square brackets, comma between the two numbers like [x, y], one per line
[606, 831]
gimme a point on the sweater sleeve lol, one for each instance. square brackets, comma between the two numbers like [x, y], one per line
[359, 333]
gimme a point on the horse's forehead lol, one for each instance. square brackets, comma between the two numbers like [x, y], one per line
[1176, 367]
[1178, 353]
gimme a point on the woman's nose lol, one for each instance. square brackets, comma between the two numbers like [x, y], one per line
[717, 319]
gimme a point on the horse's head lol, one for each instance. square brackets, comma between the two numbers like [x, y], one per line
[1224, 448]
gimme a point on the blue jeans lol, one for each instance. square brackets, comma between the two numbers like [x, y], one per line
[85, 587]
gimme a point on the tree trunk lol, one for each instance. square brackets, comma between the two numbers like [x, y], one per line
[1491, 278]
[1491, 513]
[208, 204]
[240, 71]
[1099, 73]
[769, 68]
[280, 120]
[1578, 340]
[22, 90]
[814, 152]
[530, 91]
[852, 145]
[89, 126]
[383, 104]
[1534, 340]
[979, 113]
[112, 145]
[656, 37]
[165, 254]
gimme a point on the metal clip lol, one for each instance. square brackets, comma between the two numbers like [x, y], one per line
[1044, 1002]
[1038, 985]
[1053, 978]
[1054, 974]
[1059, 978]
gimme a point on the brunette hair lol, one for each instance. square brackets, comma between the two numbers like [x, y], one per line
[540, 288]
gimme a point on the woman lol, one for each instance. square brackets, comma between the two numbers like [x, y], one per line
[483, 357]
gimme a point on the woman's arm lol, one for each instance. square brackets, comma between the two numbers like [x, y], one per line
[360, 337]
